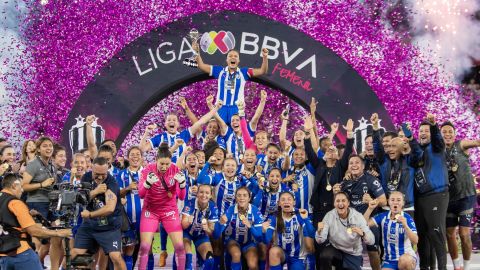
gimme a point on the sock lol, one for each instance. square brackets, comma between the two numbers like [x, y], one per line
[466, 264]
[209, 264]
[180, 256]
[216, 262]
[276, 267]
[143, 256]
[311, 262]
[163, 238]
[261, 264]
[189, 261]
[457, 263]
[199, 261]
[236, 266]
[151, 262]
[174, 262]
[128, 262]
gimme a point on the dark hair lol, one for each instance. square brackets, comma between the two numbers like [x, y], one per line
[230, 158]
[340, 146]
[3, 140]
[274, 145]
[105, 148]
[368, 136]
[322, 139]
[245, 188]
[163, 151]
[280, 228]
[57, 148]
[4, 148]
[392, 134]
[198, 151]
[447, 123]
[425, 123]
[293, 141]
[9, 179]
[275, 169]
[42, 140]
[341, 193]
[353, 155]
[83, 150]
[233, 50]
[107, 140]
[133, 148]
[210, 148]
[262, 131]
[100, 161]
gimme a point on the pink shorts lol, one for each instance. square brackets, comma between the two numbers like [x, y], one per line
[150, 220]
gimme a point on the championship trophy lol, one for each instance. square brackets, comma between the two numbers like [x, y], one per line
[194, 36]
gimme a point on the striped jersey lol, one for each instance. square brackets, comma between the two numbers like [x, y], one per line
[236, 230]
[202, 140]
[158, 139]
[192, 209]
[394, 237]
[191, 181]
[235, 144]
[292, 239]
[268, 201]
[231, 86]
[133, 206]
[305, 180]
[262, 160]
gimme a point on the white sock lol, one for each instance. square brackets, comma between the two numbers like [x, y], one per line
[457, 263]
[466, 264]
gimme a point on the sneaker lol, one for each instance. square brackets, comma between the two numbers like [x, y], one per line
[163, 259]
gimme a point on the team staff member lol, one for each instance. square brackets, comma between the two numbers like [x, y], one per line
[431, 201]
[462, 194]
[102, 219]
[17, 222]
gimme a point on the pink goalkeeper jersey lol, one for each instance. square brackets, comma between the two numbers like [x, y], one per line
[156, 198]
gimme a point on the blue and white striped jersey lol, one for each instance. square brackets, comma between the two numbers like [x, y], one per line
[292, 239]
[158, 139]
[262, 160]
[192, 209]
[133, 206]
[236, 230]
[267, 202]
[394, 237]
[231, 86]
[219, 139]
[305, 180]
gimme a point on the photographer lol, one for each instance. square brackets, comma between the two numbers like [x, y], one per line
[17, 227]
[102, 219]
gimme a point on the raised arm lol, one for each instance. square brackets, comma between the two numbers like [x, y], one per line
[259, 110]
[378, 149]
[438, 144]
[313, 109]
[191, 116]
[333, 131]
[282, 136]
[222, 125]
[310, 139]
[92, 147]
[264, 68]
[201, 65]
[197, 126]
[372, 205]
[243, 126]
[348, 147]
[145, 144]
[467, 144]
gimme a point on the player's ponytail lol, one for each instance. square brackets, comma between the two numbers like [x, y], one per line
[163, 151]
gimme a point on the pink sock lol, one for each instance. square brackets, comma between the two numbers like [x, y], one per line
[180, 256]
[143, 256]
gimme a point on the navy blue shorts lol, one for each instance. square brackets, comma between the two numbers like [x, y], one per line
[459, 212]
[42, 208]
[197, 240]
[87, 238]
[226, 112]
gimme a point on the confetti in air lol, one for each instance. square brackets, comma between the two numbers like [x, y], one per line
[70, 41]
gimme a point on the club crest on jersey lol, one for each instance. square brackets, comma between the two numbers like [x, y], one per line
[78, 134]
[360, 133]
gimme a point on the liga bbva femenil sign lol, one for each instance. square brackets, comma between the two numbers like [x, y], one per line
[150, 68]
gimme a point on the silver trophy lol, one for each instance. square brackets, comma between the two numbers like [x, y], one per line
[194, 35]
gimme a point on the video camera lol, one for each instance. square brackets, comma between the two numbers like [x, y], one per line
[65, 202]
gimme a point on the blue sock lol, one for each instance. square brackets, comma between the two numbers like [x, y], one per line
[151, 262]
[311, 261]
[128, 262]
[163, 238]
[174, 262]
[276, 267]
[236, 266]
[216, 262]
[228, 260]
[188, 261]
[261, 264]
[209, 264]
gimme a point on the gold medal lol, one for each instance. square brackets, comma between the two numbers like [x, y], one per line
[455, 168]
[329, 187]
[349, 230]
[242, 217]
[204, 221]
[169, 194]
[5, 166]
[397, 216]
[240, 156]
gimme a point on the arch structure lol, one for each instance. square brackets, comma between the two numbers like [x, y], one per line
[150, 68]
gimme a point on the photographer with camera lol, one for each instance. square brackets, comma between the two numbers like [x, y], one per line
[17, 227]
[102, 219]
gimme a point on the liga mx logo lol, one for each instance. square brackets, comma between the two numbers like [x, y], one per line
[212, 41]
[78, 134]
[361, 132]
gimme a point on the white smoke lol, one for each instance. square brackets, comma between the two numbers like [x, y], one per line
[446, 31]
